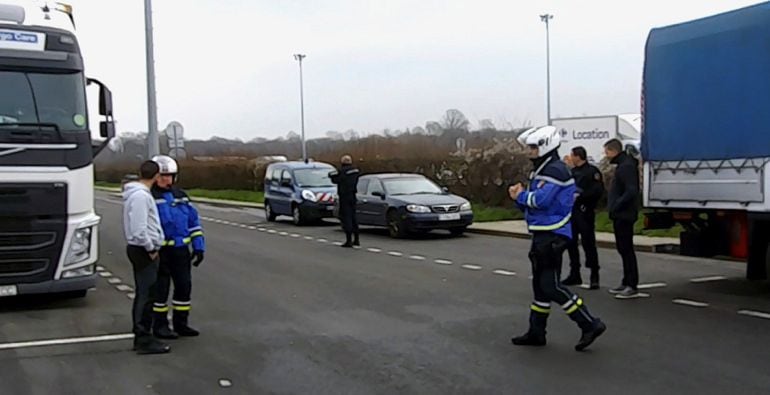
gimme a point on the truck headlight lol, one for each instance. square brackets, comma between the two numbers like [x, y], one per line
[416, 208]
[465, 206]
[80, 246]
[309, 195]
[79, 272]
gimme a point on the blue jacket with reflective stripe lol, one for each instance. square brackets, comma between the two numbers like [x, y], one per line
[179, 218]
[547, 203]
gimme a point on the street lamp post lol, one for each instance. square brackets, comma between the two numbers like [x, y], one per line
[547, 18]
[299, 58]
[153, 145]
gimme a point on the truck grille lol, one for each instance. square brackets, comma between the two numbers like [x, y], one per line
[26, 241]
[22, 267]
[446, 208]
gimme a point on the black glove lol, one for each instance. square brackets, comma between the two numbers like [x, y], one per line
[197, 258]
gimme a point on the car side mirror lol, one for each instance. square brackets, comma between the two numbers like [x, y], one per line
[445, 190]
[379, 194]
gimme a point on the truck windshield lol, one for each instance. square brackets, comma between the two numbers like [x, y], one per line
[34, 98]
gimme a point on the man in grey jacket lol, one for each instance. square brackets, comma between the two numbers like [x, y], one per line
[144, 235]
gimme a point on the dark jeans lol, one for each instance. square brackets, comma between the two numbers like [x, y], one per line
[624, 240]
[145, 277]
[348, 216]
[584, 228]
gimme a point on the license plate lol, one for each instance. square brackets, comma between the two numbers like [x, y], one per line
[448, 217]
[8, 290]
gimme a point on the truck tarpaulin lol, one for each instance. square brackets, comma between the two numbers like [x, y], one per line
[707, 88]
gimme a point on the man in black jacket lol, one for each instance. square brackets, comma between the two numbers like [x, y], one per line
[347, 182]
[623, 209]
[590, 188]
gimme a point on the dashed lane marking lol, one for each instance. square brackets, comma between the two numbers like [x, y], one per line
[124, 288]
[114, 280]
[471, 267]
[443, 261]
[651, 285]
[294, 235]
[755, 314]
[105, 274]
[417, 258]
[59, 342]
[225, 383]
[374, 250]
[707, 279]
[99, 268]
[308, 238]
[504, 272]
[322, 241]
[131, 295]
[395, 253]
[691, 303]
[252, 228]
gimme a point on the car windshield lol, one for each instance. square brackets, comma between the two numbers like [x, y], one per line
[313, 178]
[35, 98]
[411, 186]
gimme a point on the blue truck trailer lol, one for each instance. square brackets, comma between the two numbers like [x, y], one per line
[706, 134]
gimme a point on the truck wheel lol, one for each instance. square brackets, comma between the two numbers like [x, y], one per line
[269, 214]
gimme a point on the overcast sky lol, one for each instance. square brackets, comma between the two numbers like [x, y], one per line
[225, 67]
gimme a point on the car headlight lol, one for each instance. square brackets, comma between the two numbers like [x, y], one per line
[465, 206]
[416, 208]
[80, 246]
[309, 195]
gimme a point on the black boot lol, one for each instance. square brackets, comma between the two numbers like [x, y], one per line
[160, 327]
[588, 337]
[348, 243]
[356, 241]
[594, 279]
[146, 344]
[535, 336]
[180, 324]
[573, 279]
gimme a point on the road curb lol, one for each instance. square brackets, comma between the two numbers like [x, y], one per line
[662, 248]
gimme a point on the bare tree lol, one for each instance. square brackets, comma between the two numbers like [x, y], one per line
[434, 128]
[455, 120]
[418, 130]
[487, 124]
[334, 135]
[351, 135]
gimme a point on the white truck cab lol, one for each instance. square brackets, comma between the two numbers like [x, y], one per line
[48, 226]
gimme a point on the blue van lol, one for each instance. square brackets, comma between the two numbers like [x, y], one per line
[301, 190]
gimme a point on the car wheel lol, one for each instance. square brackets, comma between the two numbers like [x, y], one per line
[296, 215]
[457, 231]
[269, 213]
[395, 225]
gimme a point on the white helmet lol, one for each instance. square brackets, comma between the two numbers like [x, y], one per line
[545, 138]
[167, 164]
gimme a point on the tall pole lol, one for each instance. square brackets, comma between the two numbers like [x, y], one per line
[153, 145]
[299, 58]
[546, 18]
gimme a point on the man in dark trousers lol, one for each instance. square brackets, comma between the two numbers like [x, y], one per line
[622, 204]
[183, 230]
[590, 188]
[144, 235]
[547, 204]
[347, 181]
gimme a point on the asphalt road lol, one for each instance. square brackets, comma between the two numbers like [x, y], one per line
[284, 310]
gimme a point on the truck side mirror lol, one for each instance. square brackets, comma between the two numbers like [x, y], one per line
[105, 98]
[107, 129]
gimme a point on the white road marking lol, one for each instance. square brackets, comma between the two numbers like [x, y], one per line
[308, 238]
[691, 303]
[651, 285]
[272, 231]
[322, 241]
[338, 243]
[707, 279]
[756, 314]
[59, 342]
[225, 383]
[99, 268]
[262, 229]
[417, 258]
[471, 267]
[585, 286]
[395, 253]
[124, 288]
[105, 274]
[114, 280]
[243, 226]
[131, 296]
[374, 250]
[294, 235]
[504, 272]
[252, 228]
[284, 233]
[443, 261]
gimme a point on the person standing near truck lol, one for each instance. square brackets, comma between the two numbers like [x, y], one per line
[622, 204]
[590, 188]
